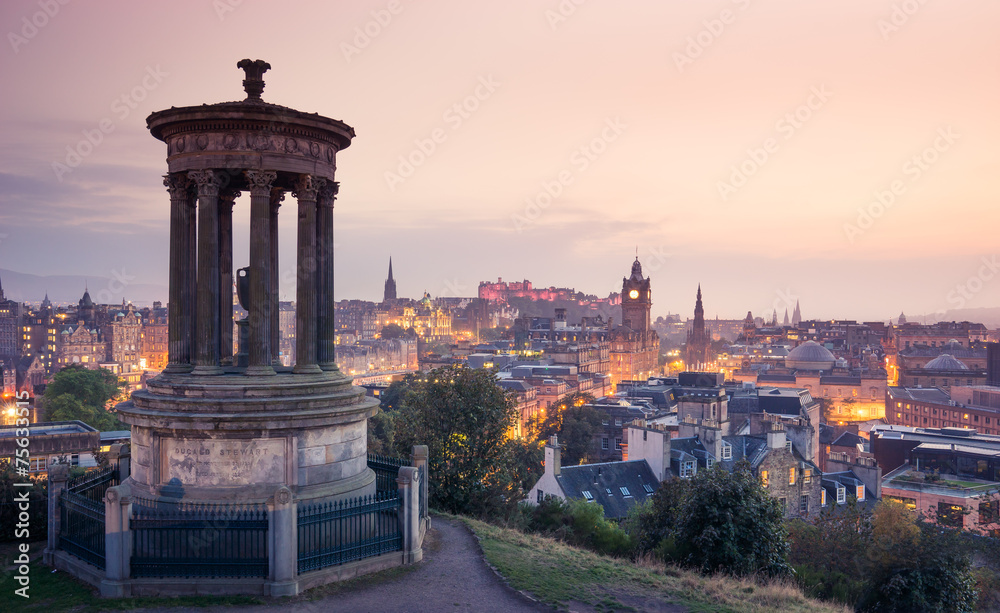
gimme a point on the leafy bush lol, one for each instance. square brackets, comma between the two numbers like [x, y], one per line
[578, 523]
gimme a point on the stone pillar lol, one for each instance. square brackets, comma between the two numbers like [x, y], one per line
[207, 327]
[117, 543]
[119, 456]
[325, 306]
[408, 482]
[306, 188]
[179, 317]
[58, 475]
[260, 272]
[283, 545]
[418, 460]
[277, 195]
[227, 198]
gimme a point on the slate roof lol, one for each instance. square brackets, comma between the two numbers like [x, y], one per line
[849, 480]
[848, 439]
[752, 448]
[603, 482]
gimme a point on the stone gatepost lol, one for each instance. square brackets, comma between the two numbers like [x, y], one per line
[282, 511]
[418, 459]
[58, 475]
[119, 456]
[117, 543]
[409, 513]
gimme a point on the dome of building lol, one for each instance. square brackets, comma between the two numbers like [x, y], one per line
[945, 361]
[810, 355]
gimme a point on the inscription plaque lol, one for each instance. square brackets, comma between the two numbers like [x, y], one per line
[209, 462]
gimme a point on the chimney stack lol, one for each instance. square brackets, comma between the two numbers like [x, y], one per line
[553, 456]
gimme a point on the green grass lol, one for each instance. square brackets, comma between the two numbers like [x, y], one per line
[564, 576]
[53, 592]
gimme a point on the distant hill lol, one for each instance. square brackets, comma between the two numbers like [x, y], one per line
[64, 289]
[989, 316]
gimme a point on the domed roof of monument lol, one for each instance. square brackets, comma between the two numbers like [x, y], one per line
[810, 355]
[946, 361]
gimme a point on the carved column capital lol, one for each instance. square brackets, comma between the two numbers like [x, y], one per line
[208, 182]
[260, 179]
[177, 185]
[228, 196]
[328, 193]
[277, 197]
[307, 187]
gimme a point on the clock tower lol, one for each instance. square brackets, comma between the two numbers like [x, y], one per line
[636, 300]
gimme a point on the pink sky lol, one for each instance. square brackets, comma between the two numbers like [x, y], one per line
[685, 114]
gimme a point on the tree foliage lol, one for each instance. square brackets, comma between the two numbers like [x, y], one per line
[463, 417]
[885, 560]
[77, 393]
[574, 423]
[717, 521]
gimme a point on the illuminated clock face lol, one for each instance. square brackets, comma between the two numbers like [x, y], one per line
[633, 294]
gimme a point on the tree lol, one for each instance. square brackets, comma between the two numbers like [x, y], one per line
[463, 417]
[77, 393]
[574, 423]
[392, 331]
[718, 521]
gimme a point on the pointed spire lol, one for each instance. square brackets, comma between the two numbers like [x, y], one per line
[390, 268]
[699, 291]
[1, 291]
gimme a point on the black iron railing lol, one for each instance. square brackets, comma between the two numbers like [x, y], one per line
[81, 530]
[339, 532]
[386, 470]
[198, 540]
[94, 484]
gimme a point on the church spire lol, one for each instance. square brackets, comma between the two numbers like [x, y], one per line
[390, 285]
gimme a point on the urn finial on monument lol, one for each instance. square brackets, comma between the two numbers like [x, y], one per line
[254, 83]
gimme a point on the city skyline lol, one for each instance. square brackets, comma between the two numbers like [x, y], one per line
[637, 123]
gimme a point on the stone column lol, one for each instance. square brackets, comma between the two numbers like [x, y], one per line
[120, 456]
[117, 543]
[306, 188]
[179, 318]
[58, 475]
[325, 303]
[283, 545]
[207, 327]
[408, 482]
[227, 198]
[277, 195]
[418, 460]
[260, 272]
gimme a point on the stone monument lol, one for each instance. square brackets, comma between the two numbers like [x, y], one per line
[216, 427]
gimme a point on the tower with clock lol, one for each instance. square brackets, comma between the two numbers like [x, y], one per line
[636, 300]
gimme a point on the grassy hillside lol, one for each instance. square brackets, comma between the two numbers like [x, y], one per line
[571, 578]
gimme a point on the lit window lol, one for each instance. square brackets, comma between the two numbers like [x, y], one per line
[763, 477]
[822, 497]
[807, 474]
[791, 476]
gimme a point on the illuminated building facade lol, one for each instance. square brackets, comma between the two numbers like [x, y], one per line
[634, 345]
